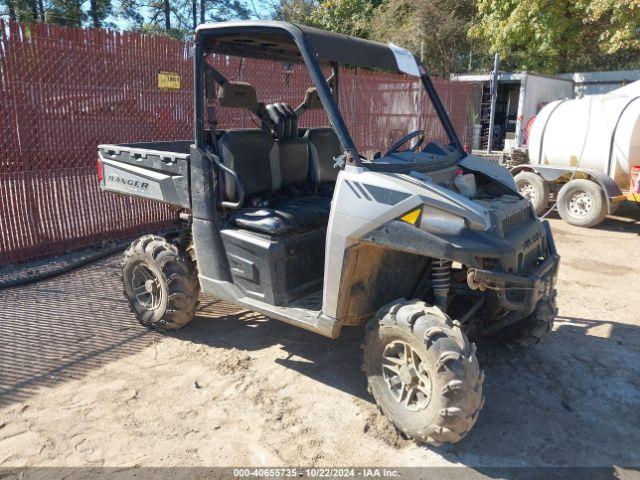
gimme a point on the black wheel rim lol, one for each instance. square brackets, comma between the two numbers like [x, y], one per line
[146, 287]
[406, 376]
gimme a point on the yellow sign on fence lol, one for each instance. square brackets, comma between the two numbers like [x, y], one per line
[168, 80]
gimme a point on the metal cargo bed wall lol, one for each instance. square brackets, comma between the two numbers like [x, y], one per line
[63, 92]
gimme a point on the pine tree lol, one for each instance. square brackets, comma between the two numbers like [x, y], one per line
[67, 13]
[99, 11]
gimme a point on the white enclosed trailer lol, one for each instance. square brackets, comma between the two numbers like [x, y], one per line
[520, 96]
[584, 151]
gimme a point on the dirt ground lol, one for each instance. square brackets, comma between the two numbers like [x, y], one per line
[81, 384]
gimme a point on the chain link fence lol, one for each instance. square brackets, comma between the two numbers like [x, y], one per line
[64, 91]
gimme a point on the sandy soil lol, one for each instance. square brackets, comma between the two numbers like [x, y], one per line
[81, 384]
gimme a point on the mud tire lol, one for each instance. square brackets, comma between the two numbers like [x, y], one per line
[174, 276]
[449, 359]
[530, 330]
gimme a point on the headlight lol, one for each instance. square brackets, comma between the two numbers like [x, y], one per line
[434, 220]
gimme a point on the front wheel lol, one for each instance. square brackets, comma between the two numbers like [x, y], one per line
[423, 372]
[531, 329]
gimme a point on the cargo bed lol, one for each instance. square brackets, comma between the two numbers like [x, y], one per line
[154, 170]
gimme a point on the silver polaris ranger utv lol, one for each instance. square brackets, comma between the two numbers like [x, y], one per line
[423, 245]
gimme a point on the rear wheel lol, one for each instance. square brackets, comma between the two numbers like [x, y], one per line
[533, 187]
[160, 283]
[581, 203]
[423, 372]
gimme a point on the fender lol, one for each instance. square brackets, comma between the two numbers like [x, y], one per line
[555, 174]
[398, 235]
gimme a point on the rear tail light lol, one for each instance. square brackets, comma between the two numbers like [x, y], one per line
[100, 171]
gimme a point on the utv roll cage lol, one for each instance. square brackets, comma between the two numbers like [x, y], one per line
[402, 243]
[289, 43]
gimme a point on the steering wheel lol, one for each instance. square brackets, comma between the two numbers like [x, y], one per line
[418, 133]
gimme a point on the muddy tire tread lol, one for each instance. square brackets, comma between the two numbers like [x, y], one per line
[181, 277]
[458, 370]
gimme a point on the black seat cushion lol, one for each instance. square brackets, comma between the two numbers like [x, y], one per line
[290, 216]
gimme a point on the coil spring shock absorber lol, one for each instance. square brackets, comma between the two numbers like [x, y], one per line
[441, 281]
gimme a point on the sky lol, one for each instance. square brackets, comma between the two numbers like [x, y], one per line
[260, 9]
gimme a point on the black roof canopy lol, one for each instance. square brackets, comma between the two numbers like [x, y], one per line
[273, 40]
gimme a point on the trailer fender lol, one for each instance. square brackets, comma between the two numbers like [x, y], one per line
[554, 174]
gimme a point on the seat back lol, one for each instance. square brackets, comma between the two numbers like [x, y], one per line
[250, 154]
[324, 146]
[292, 151]
[293, 160]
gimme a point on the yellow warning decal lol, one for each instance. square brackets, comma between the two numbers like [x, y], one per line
[412, 217]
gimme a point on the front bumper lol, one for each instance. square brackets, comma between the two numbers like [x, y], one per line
[518, 294]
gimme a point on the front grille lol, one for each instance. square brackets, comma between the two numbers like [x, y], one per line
[514, 221]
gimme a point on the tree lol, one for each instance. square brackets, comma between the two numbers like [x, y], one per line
[437, 29]
[178, 18]
[26, 11]
[559, 35]
[620, 21]
[11, 10]
[295, 11]
[349, 17]
[222, 10]
[159, 17]
[99, 11]
[67, 13]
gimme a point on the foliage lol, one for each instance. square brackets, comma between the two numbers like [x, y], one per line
[175, 18]
[558, 35]
[67, 13]
[349, 17]
[99, 11]
[549, 36]
[435, 28]
[222, 10]
[620, 21]
[296, 11]
[24, 10]
[178, 18]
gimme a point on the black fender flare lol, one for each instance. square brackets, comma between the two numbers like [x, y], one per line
[401, 236]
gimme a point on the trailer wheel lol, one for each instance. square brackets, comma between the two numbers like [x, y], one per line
[423, 372]
[581, 203]
[160, 283]
[533, 187]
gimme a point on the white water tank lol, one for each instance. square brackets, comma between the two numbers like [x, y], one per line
[598, 131]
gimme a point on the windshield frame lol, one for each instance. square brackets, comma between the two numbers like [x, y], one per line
[208, 35]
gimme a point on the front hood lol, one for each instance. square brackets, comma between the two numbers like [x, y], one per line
[490, 169]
